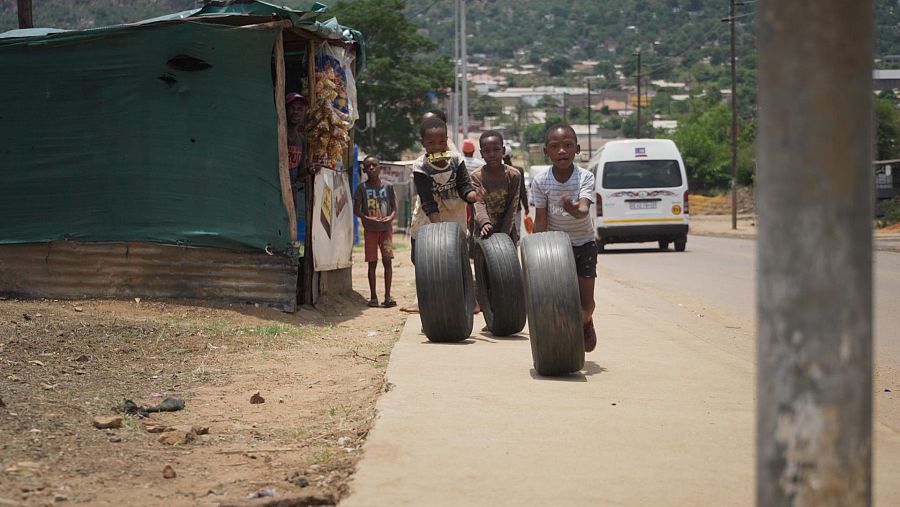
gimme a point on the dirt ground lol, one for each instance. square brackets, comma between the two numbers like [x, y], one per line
[319, 371]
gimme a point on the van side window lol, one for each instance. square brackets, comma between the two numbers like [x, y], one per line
[641, 174]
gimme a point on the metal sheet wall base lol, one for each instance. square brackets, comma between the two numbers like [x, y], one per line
[147, 270]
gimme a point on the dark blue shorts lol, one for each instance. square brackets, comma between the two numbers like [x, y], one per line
[586, 259]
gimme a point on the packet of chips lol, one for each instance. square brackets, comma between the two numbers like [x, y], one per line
[436, 157]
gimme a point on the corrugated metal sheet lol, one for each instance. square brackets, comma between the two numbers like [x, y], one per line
[148, 270]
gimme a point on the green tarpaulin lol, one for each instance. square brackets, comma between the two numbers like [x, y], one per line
[104, 140]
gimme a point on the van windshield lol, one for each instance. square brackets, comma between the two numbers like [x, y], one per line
[641, 174]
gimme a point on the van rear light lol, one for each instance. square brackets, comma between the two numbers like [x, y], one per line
[599, 205]
[687, 208]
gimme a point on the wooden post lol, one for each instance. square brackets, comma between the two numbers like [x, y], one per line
[287, 195]
[308, 265]
[25, 14]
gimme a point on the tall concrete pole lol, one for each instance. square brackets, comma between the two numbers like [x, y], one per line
[25, 14]
[638, 125]
[465, 68]
[733, 126]
[454, 102]
[814, 276]
[590, 144]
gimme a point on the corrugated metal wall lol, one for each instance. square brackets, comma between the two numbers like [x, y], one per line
[147, 270]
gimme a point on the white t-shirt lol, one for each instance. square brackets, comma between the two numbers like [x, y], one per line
[547, 192]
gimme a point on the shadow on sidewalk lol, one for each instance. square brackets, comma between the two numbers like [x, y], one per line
[591, 368]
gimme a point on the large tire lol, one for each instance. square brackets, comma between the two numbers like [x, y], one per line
[680, 243]
[444, 282]
[498, 284]
[553, 303]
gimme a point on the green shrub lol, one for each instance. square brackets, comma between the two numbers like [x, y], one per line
[891, 212]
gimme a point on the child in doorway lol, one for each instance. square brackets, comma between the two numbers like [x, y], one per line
[501, 186]
[376, 205]
[562, 198]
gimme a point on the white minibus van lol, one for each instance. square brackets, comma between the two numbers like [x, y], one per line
[641, 193]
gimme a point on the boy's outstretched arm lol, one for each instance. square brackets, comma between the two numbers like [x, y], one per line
[540, 220]
[578, 209]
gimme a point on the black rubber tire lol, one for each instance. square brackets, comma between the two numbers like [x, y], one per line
[498, 284]
[553, 303]
[444, 282]
[680, 243]
[663, 245]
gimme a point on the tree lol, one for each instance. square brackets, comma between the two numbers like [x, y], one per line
[397, 77]
[887, 129]
[557, 66]
[703, 137]
[485, 105]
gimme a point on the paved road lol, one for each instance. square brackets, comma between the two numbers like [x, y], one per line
[662, 415]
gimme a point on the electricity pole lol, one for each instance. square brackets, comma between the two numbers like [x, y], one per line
[638, 54]
[465, 68]
[454, 102]
[590, 146]
[25, 17]
[731, 20]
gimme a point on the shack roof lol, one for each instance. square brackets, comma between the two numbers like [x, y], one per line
[252, 10]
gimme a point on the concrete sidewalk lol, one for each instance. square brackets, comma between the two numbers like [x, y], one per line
[662, 415]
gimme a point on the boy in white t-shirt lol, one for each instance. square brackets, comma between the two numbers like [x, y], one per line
[562, 199]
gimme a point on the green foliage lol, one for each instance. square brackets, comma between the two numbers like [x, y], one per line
[485, 105]
[557, 66]
[398, 74]
[887, 128]
[703, 139]
[891, 212]
[534, 134]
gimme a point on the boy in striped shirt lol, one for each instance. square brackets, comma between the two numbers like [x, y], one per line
[562, 198]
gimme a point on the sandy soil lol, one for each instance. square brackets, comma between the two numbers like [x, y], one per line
[320, 371]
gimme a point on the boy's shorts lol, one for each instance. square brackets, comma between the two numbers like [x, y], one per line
[379, 240]
[586, 259]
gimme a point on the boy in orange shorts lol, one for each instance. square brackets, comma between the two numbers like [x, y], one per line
[376, 205]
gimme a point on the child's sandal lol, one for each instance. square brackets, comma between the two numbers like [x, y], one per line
[389, 302]
[373, 303]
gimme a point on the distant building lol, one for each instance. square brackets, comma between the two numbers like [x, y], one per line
[886, 79]
[666, 125]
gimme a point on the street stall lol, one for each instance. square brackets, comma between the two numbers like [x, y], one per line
[150, 159]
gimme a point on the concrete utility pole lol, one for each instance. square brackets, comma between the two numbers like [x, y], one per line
[25, 14]
[454, 102]
[590, 145]
[814, 276]
[465, 68]
[733, 126]
[638, 54]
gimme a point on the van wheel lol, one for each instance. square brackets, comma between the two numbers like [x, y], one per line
[498, 284]
[663, 245]
[444, 282]
[680, 244]
[552, 303]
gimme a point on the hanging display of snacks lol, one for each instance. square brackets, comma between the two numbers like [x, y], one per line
[331, 112]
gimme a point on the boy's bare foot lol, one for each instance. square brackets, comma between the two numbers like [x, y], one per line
[413, 308]
[590, 337]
